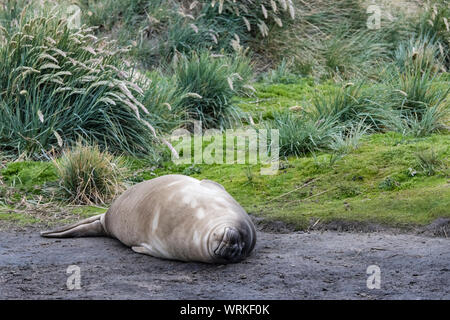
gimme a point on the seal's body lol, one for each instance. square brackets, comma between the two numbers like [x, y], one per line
[174, 217]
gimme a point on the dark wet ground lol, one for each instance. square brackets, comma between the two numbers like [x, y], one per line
[316, 265]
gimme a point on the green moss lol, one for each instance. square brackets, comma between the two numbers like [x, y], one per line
[270, 98]
[372, 184]
[28, 173]
[381, 181]
[88, 211]
[8, 214]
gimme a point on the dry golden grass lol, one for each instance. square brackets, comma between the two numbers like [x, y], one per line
[89, 175]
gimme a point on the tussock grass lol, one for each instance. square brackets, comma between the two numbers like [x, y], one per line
[344, 104]
[349, 140]
[281, 74]
[429, 162]
[413, 102]
[58, 84]
[349, 54]
[257, 16]
[163, 100]
[434, 23]
[419, 53]
[420, 106]
[89, 175]
[207, 84]
[160, 30]
[331, 39]
[302, 135]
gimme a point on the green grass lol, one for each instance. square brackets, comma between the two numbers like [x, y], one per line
[27, 174]
[382, 181]
[385, 178]
[353, 188]
[272, 98]
[380, 104]
[57, 91]
[21, 219]
[88, 211]
[34, 181]
[59, 85]
[26, 218]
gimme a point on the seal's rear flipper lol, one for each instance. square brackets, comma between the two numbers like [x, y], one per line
[90, 227]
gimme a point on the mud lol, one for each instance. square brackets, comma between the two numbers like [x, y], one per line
[294, 265]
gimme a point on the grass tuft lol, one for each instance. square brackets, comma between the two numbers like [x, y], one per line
[89, 175]
[208, 83]
[59, 84]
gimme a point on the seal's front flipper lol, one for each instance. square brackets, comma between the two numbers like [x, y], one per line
[90, 227]
[144, 248]
[141, 249]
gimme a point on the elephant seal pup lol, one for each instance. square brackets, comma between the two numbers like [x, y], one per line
[174, 217]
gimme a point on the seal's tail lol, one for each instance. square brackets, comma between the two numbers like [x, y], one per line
[90, 227]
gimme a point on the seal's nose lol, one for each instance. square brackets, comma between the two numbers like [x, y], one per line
[231, 246]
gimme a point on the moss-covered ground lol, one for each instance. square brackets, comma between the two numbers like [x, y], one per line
[383, 181]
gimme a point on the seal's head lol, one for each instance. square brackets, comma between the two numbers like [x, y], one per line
[230, 244]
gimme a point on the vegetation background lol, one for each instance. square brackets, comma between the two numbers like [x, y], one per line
[90, 92]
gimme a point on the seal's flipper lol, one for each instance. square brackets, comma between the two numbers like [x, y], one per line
[141, 249]
[90, 227]
[144, 248]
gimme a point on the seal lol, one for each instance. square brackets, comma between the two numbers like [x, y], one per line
[174, 217]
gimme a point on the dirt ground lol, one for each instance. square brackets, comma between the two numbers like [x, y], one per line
[294, 265]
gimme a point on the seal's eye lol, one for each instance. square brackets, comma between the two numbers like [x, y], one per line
[231, 246]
